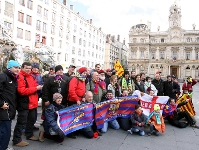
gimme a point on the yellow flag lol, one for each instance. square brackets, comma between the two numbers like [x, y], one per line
[119, 69]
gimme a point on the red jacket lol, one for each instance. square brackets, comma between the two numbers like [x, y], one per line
[31, 90]
[77, 89]
[188, 86]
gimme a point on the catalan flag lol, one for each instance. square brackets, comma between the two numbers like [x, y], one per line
[119, 69]
[189, 106]
[74, 118]
[109, 110]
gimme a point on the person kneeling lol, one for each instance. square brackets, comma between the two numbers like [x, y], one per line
[52, 130]
[113, 123]
[156, 121]
[138, 120]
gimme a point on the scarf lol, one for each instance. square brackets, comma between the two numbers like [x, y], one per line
[157, 117]
[58, 78]
[126, 85]
[80, 77]
[169, 110]
[100, 83]
[148, 85]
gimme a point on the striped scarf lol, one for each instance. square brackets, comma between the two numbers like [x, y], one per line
[82, 78]
[100, 83]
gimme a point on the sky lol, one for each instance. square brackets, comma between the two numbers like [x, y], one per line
[117, 17]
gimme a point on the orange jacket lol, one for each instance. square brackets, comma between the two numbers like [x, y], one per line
[159, 127]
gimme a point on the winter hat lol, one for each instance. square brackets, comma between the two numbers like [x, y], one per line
[126, 72]
[101, 71]
[12, 63]
[82, 69]
[58, 67]
[108, 70]
[156, 107]
[35, 65]
[56, 96]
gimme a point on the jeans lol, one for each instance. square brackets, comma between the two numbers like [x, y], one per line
[25, 118]
[113, 123]
[142, 133]
[153, 129]
[5, 133]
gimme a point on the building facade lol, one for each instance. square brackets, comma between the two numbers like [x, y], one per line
[50, 23]
[174, 52]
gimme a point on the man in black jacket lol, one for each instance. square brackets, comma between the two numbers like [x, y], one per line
[158, 83]
[8, 86]
[55, 84]
[170, 88]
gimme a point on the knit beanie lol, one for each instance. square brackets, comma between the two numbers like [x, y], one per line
[156, 107]
[58, 67]
[35, 65]
[12, 63]
[56, 96]
[82, 69]
[126, 72]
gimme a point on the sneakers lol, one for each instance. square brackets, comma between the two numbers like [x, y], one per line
[22, 144]
[130, 131]
[195, 126]
[33, 138]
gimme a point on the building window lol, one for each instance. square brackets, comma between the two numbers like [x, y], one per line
[152, 40]
[54, 5]
[44, 27]
[20, 33]
[74, 39]
[92, 54]
[7, 24]
[197, 55]
[134, 40]
[162, 40]
[152, 55]
[84, 33]
[38, 25]
[174, 56]
[83, 52]
[80, 41]
[62, 9]
[66, 57]
[84, 43]
[29, 4]
[197, 39]
[52, 41]
[20, 16]
[60, 32]
[44, 40]
[61, 20]
[161, 55]
[89, 53]
[46, 13]
[28, 20]
[142, 40]
[89, 35]
[22, 2]
[79, 52]
[53, 29]
[142, 54]
[73, 50]
[53, 16]
[68, 24]
[80, 31]
[73, 60]
[187, 56]
[27, 35]
[188, 39]
[39, 9]
[60, 43]
[75, 28]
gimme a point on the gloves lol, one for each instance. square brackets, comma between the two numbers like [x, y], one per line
[60, 133]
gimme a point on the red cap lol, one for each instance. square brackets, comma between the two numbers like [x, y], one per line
[101, 71]
[108, 70]
[82, 69]
[158, 72]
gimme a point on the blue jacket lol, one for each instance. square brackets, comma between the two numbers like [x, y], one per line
[50, 120]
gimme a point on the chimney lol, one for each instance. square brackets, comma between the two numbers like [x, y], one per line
[72, 7]
[64, 2]
[124, 41]
[91, 21]
[118, 37]
[113, 38]
[107, 39]
[100, 29]
[78, 13]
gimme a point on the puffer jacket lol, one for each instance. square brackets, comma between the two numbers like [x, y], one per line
[8, 88]
[27, 91]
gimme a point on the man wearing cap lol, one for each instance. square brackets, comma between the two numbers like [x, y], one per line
[170, 88]
[158, 83]
[8, 87]
[27, 103]
[77, 89]
[71, 71]
[54, 84]
[50, 73]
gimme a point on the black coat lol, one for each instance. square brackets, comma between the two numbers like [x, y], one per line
[139, 87]
[171, 89]
[8, 88]
[135, 119]
[159, 86]
[50, 87]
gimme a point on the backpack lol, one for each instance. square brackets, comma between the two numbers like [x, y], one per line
[67, 86]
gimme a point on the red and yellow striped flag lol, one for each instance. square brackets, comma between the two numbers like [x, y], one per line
[189, 106]
[119, 69]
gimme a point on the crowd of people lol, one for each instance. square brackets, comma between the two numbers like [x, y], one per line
[22, 86]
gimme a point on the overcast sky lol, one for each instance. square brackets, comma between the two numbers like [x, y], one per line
[117, 17]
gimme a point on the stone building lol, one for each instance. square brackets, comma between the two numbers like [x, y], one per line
[174, 52]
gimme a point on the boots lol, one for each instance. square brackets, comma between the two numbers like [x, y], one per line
[41, 136]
